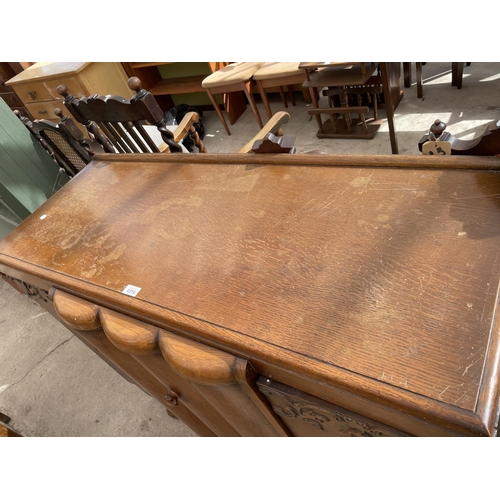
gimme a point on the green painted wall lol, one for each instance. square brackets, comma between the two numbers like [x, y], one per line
[181, 69]
[27, 172]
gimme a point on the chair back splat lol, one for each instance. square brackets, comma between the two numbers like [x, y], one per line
[119, 125]
[63, 141]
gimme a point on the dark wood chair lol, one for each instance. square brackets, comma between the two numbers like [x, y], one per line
[63, 141]
[128, 126]
[488, 144]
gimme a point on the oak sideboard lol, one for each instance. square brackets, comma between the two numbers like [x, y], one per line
[281, 295]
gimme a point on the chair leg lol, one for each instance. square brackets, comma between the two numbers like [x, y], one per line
[420, 91]
[314, 98]
[264, 98]
[457, 73]
[460, 75]
[217, 110]
[407, 74]
[283, 97]
[251, 100]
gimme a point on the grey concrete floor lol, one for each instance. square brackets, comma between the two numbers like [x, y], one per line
[53, 385]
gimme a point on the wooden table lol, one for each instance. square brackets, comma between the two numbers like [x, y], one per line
[347, 74]
[282, 294]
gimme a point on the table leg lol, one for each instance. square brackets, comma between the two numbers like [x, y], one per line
[344, 102]
[407, 74]
[389, 106]
[420, 92]
[314, 99]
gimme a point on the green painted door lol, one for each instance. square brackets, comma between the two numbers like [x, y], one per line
[27, 172]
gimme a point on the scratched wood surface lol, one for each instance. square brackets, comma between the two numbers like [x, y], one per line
[389, 273]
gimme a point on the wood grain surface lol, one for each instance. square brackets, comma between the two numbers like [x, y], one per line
[386, 268]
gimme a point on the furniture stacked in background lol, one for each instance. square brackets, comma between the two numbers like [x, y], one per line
[130, 126]
[457, 74]
[28, 175]
[344, 78]
[487, 144]
[261, 295]
[8, 71]
[37, 86]
[191, 83]
[63, 141]
[175, 83]
[235, 77]
[278, 75]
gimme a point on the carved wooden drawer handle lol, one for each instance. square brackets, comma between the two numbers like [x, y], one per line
[77, 313]
[128, 334]
[197, 362]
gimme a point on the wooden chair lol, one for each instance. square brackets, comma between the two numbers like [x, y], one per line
[63, 141]
[488, 144]
[129, 126]
[278, 74]
[234, 77]
[273, 126]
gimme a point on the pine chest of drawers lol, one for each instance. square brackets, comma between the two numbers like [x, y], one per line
[285, 295]
[37, 86]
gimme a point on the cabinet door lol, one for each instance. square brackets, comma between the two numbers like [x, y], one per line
[306, 415]
[213, 392]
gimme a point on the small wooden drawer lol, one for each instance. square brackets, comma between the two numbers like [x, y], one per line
[12, 100]
[308, 416]
[45, 110]
[32, 92]
[73, 85]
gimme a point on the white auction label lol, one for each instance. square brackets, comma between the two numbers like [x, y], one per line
[131, 290]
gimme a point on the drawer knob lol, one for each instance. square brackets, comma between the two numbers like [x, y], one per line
[32, 94]
[171, 398]
[43, 112]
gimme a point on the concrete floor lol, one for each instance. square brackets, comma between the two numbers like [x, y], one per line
[53, 385]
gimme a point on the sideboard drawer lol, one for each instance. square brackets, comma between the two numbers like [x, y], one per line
[32, 92]
[72, 83]
[306, 415]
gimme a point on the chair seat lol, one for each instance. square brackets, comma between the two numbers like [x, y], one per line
[278, 70]
[233, 73]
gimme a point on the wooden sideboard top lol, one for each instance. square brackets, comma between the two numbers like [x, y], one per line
[376, 274]
[44, 70]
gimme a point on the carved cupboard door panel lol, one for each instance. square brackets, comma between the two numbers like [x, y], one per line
[213, 392]
[306, 415]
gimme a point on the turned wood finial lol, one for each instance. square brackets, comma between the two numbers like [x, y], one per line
[58, 112]
[62, 90]
[134, 84]
[438, 127]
